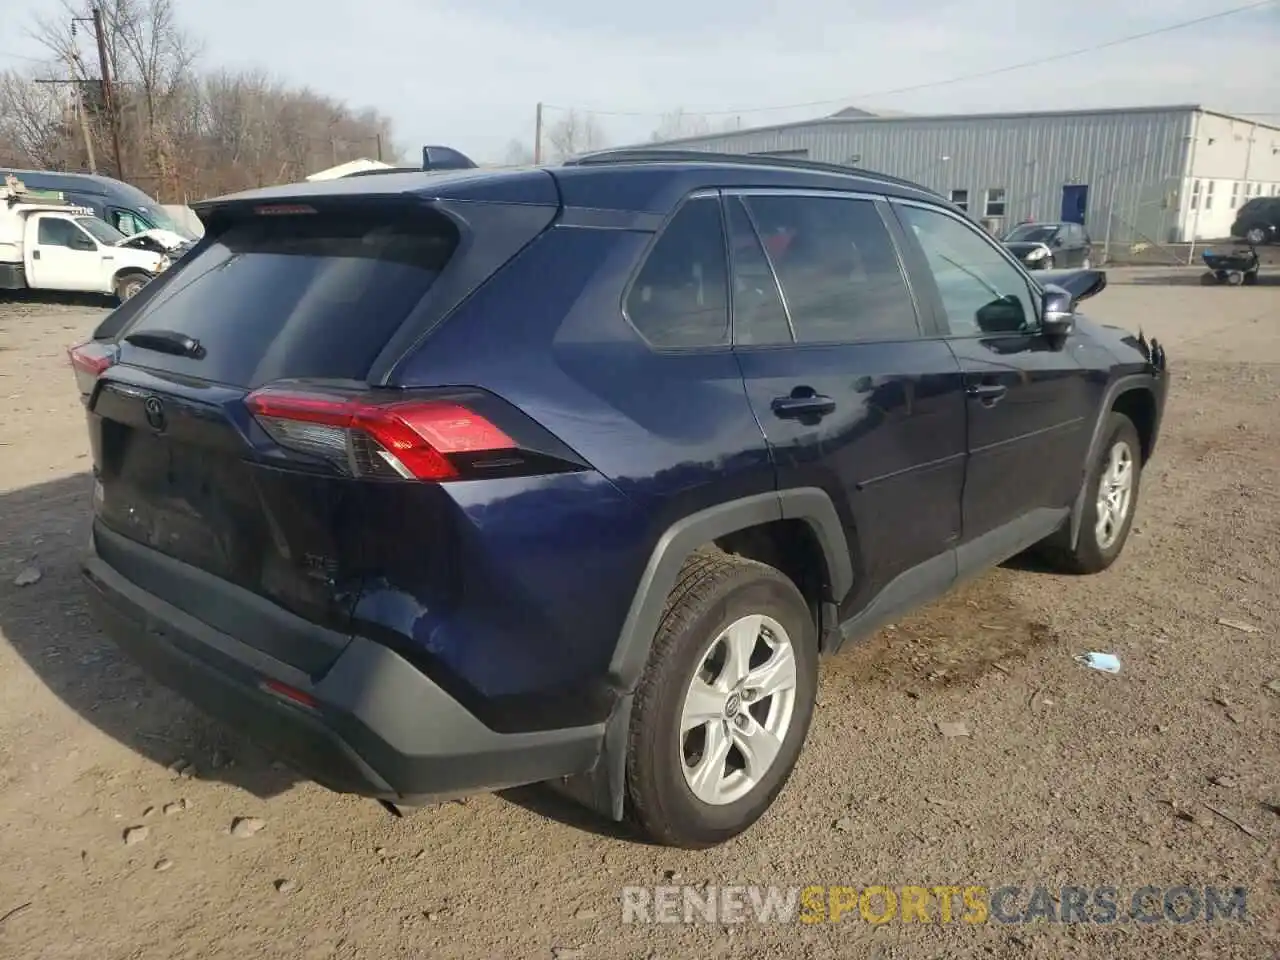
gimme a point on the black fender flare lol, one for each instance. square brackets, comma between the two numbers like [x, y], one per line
[1134, 381]
[604, 788]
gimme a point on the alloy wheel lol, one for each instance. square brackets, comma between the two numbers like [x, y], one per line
[737, 710]
[1115, 494]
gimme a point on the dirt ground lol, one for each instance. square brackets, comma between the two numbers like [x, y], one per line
[1068, 777]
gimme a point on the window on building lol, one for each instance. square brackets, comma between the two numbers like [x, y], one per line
[838, 269]
[681, 295]
[995, 202]
[960, 198]
[1208, 195]
[1195, 194]
[1235, 193]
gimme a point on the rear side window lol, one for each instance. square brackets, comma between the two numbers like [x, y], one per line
[838, 268]
[680, 298]
[758, 314]
[314, 295]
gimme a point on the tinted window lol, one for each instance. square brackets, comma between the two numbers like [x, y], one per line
[56, 233]
[838, 268]
[681, 295]
[981, 291]
[758, 314]
[296, 296]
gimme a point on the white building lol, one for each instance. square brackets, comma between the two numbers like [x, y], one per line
[1138, 175]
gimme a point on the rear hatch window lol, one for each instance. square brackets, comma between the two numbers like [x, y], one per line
[310, 295]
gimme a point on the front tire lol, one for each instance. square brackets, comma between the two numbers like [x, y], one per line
[129, 284]
[1111, 497]
[723, 707]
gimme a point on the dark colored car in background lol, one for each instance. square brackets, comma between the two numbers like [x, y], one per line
[1258, 221]
[437, 483]
[121, 204]
[1050, 246]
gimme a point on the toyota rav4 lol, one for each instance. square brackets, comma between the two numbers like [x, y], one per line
[442, 483]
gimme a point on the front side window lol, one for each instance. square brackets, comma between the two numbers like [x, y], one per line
[680, 298]
[981, 291]
[838, 268]
[126, 222]
[995, 202]
[58, 233]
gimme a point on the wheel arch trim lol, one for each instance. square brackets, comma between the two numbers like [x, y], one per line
[1125, 384]
[810, 505]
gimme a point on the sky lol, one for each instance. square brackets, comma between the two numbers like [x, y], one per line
[468, 73]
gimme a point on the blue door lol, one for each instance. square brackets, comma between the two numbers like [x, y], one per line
[1075, 201]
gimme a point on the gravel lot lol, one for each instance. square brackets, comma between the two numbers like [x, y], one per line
[1068, 777]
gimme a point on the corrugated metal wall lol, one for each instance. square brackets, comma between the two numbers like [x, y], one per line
[1132, 162]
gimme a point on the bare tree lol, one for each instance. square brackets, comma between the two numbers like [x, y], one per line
[575, 133]
[517, 154]
[183, 134]
[679, 124]
[34, 127]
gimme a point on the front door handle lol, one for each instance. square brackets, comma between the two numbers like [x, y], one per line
[803, 404]
[35, 254]
[989, 393]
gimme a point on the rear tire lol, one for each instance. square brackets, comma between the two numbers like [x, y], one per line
[709, 749]
[1256, 236]
[1110, 500]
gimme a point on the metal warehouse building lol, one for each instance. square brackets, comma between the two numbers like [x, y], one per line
[1131, 176]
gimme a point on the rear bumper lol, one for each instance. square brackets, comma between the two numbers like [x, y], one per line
[377, 727]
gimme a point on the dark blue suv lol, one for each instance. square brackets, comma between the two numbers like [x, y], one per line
[437, 483]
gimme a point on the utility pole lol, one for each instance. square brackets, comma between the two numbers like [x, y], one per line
[537, 135]
[379, 136]
[77, 104]
[108, 91]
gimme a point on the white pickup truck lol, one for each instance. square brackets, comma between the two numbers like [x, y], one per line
[47, 243]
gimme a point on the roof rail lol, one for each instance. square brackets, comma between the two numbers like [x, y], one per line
[659, 155]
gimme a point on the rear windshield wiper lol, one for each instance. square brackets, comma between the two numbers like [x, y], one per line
[167, 341]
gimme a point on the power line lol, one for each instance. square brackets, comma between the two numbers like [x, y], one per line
[19, 56]
[1026, 64]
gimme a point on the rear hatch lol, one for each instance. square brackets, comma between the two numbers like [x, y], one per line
[235, 430]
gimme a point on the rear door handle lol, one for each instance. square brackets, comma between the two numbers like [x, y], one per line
[989, 393]
[805, 405]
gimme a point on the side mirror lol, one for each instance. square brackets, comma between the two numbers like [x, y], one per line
[1058, 312]
[83, 243]
[1004, 315]
[1057, 240]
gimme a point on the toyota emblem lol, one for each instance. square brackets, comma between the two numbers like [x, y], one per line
[154, 410]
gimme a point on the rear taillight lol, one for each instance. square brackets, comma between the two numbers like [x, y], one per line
[89, 360]
[405, 439]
